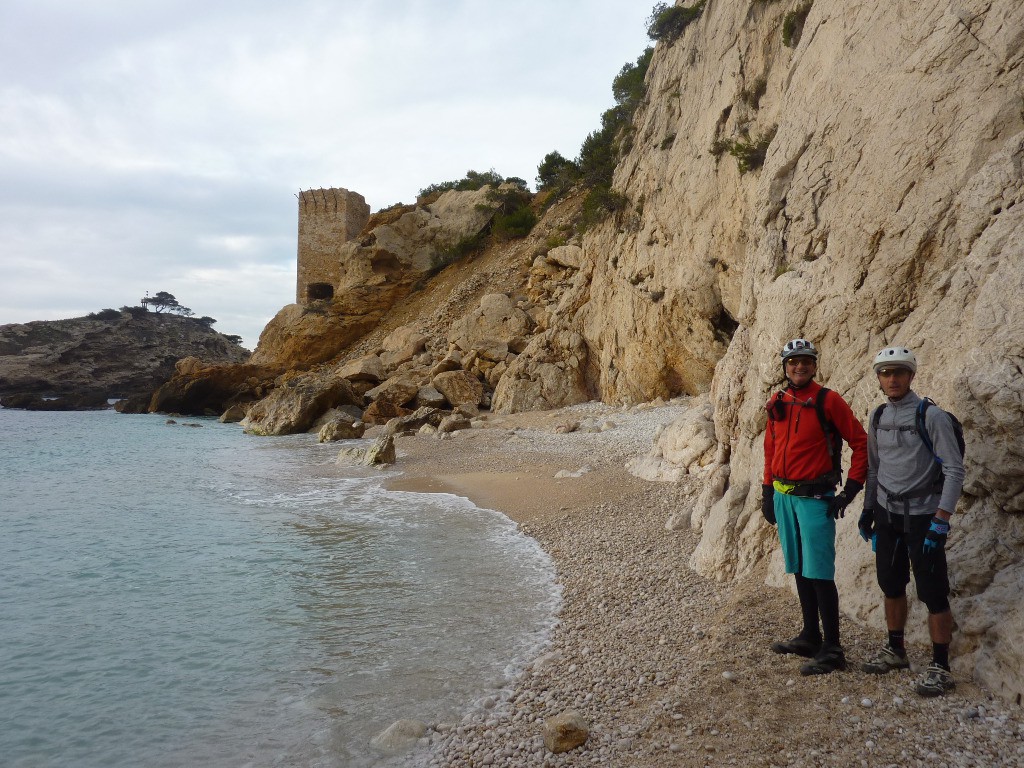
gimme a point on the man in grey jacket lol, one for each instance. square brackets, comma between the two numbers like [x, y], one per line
[911, 494]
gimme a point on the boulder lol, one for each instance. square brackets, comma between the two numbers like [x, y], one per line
[234, 414]
[212, 389]
[550, 373]
[409, 425]
[496, 322]
[341, 429]
[294, 406]
[450, 362]
[570, 256]
[686, 446]
[401, 346]
[565, 732]
[381, 452]
[453, 423]
[366, 368]
[399, 737]
[429, 397]
[397, 390]
[381, 412]
[138, 403]
[459, 387]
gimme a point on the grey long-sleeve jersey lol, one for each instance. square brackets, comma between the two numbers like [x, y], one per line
[900, 462]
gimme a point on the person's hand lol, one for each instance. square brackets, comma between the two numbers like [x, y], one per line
[768, 503]
[935, 539]
[837, 504]
[866, 524]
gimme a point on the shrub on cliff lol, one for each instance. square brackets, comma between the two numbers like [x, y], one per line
[667, 22]
[471, 181]
[556, 173]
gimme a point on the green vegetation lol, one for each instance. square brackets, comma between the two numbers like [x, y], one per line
[107, 315]
[668, 22]
[471, 181]
[464, 247]
[793, 24]
[749, 153]
[233, 338]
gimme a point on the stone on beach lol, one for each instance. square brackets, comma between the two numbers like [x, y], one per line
[399, 737]
[565, 732]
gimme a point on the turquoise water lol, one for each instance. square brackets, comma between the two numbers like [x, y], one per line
[174, 595]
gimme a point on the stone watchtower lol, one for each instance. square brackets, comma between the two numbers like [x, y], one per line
[327, 218]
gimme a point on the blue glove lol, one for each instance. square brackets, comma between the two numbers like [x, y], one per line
[935, 539]
[866, 524]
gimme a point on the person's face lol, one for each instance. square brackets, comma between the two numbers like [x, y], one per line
[801, 369]
[895, 381]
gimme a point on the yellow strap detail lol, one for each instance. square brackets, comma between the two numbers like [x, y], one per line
[786, 488]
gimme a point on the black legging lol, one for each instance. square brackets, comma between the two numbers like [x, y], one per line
[819, 597]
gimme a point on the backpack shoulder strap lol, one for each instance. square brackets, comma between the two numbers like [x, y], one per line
[819, 406]
[921, 425]
[876, 417]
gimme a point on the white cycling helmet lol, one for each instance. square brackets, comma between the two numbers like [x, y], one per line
[900, 357]
[799, 348]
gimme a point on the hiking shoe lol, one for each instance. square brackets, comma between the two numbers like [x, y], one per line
[935, 681]
[885, 661]
[798, 645]
[829, 659]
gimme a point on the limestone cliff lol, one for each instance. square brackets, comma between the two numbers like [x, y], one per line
[110, 354]
[888, 209]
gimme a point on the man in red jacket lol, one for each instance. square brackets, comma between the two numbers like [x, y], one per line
[802, 445]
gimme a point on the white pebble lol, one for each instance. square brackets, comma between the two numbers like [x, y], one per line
[867, 703]
[730, 676]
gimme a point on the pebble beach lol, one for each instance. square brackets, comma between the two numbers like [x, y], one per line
[665, 667]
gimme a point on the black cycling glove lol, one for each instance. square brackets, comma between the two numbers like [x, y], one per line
[768, 503]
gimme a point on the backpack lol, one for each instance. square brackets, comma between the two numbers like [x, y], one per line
[833, 439]
[921, 431]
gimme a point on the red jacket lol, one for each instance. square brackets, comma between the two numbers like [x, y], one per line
[796, 448]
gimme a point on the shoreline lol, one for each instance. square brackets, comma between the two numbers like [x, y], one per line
[668, 668]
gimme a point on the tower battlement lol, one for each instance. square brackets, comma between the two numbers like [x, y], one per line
[327, 219]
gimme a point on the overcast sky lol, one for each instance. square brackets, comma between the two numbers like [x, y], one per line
[150, 145]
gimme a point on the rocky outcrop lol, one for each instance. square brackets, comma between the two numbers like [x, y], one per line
[888, 209]
[550, 373]
[296, 404]
[110, 354]
[197, 389]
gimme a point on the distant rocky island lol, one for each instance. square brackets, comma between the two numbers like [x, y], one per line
[84, 362]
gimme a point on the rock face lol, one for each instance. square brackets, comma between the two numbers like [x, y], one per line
[888, 209]
[112, 354]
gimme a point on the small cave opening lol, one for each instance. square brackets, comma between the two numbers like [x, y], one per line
[725, 326]
[319, 291]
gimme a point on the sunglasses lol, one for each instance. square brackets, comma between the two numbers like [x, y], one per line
[892, 372]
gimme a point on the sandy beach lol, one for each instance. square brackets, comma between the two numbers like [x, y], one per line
[668, 668]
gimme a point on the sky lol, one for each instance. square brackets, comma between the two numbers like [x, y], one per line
[158, 145]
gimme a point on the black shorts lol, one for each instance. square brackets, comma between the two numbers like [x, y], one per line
[896, 552]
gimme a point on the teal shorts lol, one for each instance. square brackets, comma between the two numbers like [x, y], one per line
[808, 536]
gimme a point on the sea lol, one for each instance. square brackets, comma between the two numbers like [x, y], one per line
[182, 594]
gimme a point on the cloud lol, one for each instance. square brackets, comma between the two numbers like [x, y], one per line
[158, 145]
